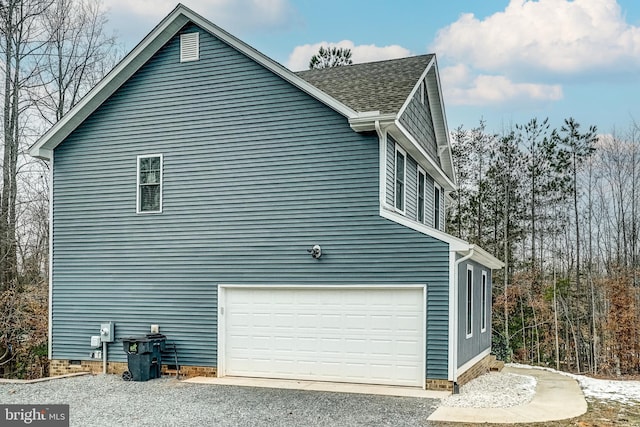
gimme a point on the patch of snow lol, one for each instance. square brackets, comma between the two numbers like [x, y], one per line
[617, 390]
[494, 390]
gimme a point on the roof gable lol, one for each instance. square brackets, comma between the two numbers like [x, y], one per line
[366, 94]
[382, 86]
[388, 88]
[150, 45]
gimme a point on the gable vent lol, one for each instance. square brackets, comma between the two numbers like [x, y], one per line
[189, 47]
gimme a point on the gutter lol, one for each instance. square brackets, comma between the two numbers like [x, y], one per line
[454, 358]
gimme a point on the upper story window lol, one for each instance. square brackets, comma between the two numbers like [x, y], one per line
[420, 193]
[469, 295]
[189, 47]
[400, 187]
[149, 194]
[437, 209]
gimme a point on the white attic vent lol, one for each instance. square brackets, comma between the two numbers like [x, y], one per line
[189, 47]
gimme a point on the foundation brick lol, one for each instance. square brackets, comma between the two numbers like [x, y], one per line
[62, 367]
[480, 368]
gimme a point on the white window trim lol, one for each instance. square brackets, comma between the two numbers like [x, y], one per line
[436, 214]
[395, 180]
[469, 297]
[422, 89]
[424, 195]
[483, 297]
[144, 156]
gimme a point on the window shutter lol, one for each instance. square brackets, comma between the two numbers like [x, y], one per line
[189, 47]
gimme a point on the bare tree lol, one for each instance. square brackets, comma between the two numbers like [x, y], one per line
[53, 52]
[20, 37]
[77, 55]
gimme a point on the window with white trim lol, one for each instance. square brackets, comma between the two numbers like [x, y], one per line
[149, 190]
[437, 209]
[469, 302]
[422, 177]
[483, 321]
[400, 187]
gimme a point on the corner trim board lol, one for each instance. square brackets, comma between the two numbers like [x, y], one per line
[50, 326]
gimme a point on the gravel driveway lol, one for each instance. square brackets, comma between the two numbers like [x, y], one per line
[107, 400]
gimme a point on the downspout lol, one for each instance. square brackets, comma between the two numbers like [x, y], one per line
[455, 296]
[382, 176]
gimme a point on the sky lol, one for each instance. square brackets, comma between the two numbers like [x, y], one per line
[501, 61]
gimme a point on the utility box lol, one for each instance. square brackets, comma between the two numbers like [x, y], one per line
[96, 341]
[107, 332]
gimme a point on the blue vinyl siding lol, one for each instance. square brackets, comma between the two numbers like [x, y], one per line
[418, 121]
[429, 201]
[255, 172]
[411, 187]
[391, 171]
[411, 207]
[468, 348]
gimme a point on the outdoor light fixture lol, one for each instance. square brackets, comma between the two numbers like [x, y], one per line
[315, 251]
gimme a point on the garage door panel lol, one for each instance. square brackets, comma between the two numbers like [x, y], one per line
[369, 335]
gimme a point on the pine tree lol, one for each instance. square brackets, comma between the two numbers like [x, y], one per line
[330, 57]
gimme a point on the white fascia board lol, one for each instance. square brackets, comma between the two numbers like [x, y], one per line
[437, 107]
[485, 258]
[417, 151]
[268, 63]
[366, 121]
[454, 243]
[161, 34]
[416, 87]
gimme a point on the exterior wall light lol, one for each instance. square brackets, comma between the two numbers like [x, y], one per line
[315, 251]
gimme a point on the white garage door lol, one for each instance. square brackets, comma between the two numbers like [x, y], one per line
[358, 334]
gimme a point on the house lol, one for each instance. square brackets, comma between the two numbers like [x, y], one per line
[272, 224]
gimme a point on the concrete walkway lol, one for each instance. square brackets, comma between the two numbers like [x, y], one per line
[322, 386]
[558, 397]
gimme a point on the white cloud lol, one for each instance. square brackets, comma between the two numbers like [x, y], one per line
[532, 47]
[462, 87]
[299, 58]
[234, 15]
[555, 37]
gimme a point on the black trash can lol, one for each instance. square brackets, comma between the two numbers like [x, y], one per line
[144, 356]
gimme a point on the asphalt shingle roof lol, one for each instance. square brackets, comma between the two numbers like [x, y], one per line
[374, 86]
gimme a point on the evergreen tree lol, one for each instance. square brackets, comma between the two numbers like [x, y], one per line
[330, 57]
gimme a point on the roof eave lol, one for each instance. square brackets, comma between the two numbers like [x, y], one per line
[366, 121]
[167, 28]
[483, 257]
[161, 34]
[418, 152]
[440, 120]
